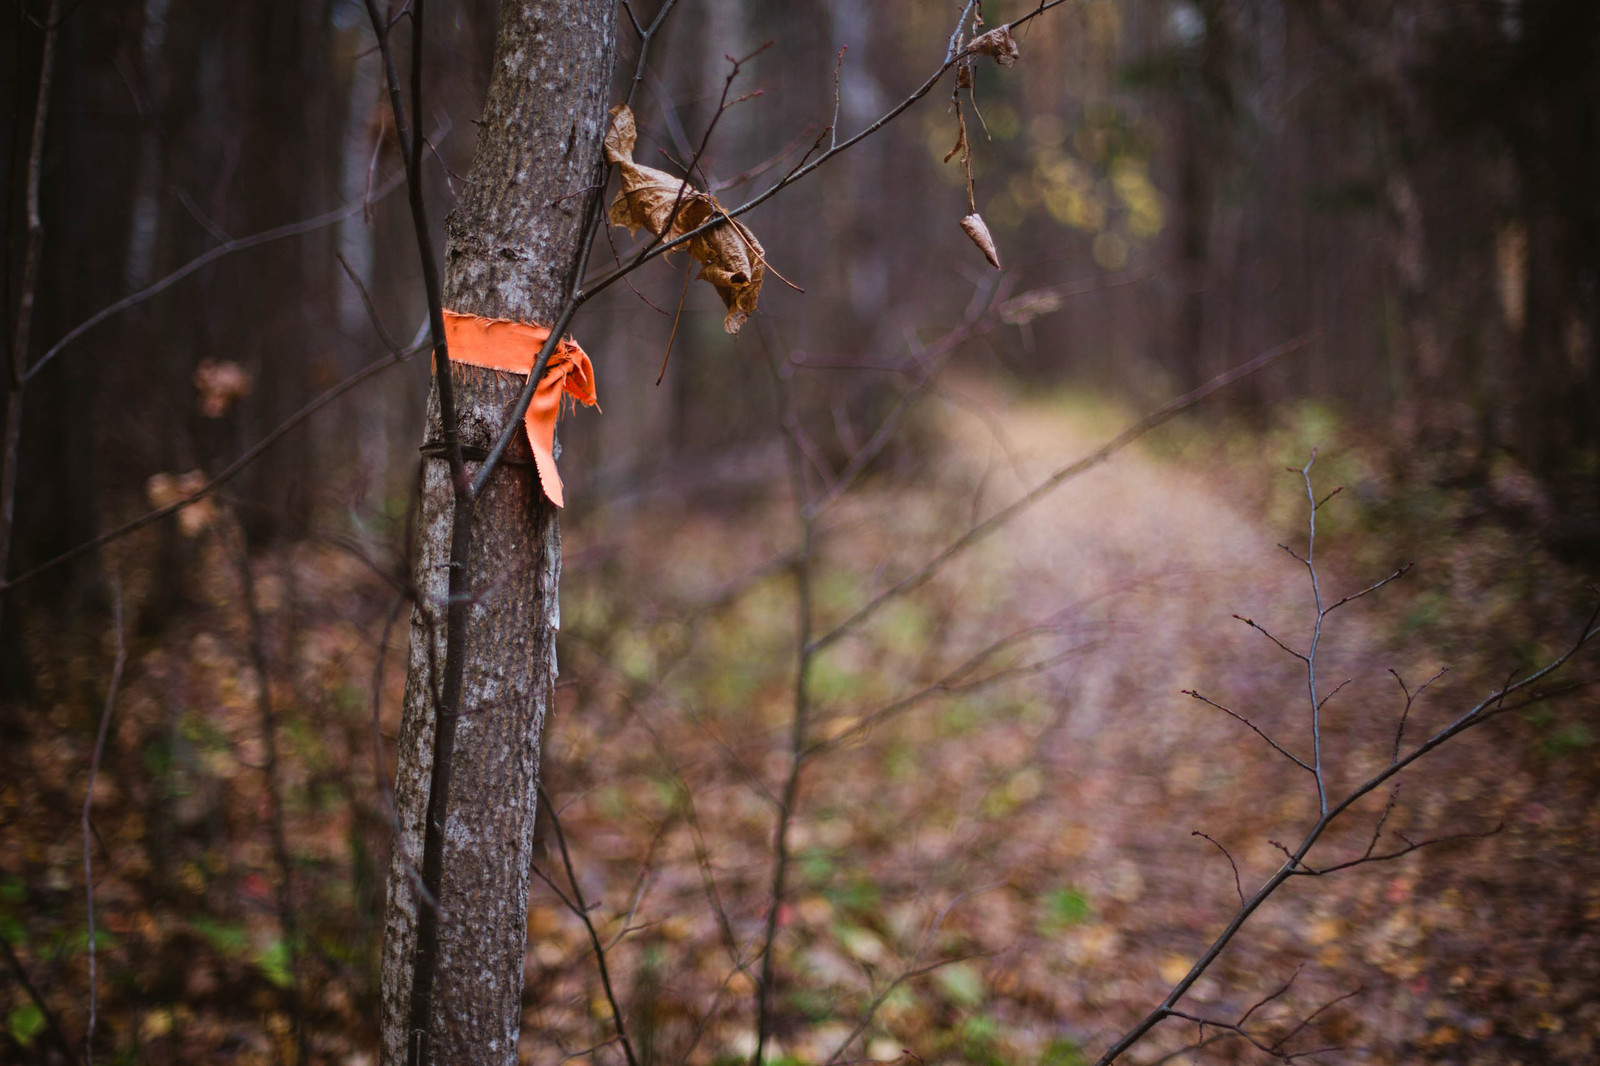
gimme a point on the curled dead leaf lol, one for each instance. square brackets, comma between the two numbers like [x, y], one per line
[961, 143]
[975, 228]
[998, 43]
[730, 257]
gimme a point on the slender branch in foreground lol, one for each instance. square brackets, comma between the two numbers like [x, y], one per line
[914, 969]
[575, 298]
[579, 907]
[28, 286]
[1226, 854]
[51, 1023]
[804, 657]
[1294, 863]
[267, 723]
[206, 258]
[223, 476]
[1224, 1030]
[1411, 699]
[1230, 712]
[88, 808]
[983, 529]
[425, 956]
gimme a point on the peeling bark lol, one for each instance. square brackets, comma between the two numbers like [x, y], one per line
[513, 245]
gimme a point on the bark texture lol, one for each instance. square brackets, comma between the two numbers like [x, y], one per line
[513, 245]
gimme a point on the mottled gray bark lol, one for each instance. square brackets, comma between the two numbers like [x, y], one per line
[513, 247]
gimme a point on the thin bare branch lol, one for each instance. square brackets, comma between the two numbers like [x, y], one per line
[1374, 587]
[1226, 854]
[1294, 860]
[1253, 624]
[914, 969]
[88, 808]
[1271, 996]
[1336, 690]
[766, 985]
[581, 909]
[1279, 748]
[51, 1023]
[21, 339]
[223, 476]
[1411, 699]
[205, 259]
[1411, 845]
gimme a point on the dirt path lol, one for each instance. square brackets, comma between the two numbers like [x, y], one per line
[1052, 814]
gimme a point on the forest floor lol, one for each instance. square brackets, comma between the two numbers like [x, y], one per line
[994, 849]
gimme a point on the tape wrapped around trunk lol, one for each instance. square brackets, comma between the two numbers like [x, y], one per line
[501, 344]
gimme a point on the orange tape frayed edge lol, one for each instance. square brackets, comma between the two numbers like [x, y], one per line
[500, 344]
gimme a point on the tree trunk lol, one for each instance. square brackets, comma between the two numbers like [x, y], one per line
[513, 246]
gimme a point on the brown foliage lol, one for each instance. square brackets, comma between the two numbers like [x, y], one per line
[666, 207]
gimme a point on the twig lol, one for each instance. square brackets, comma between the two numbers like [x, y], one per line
[1253, 624]
[1237, 887]
[1279, 748]
[425, 955]
[267, 722]
[1314, 1015]
[1374, 587]
[200, 262]
[804, 655]
[1294, 860]
[88, 808]
[1411, 698]
[952, 682]
[1271, 996]
[943, 351]
[1240, 1031]
[581, 909]
[912, 971]
[223, 476]
[833, 127]
[27, 291]
[51, 1023]
[389, 343]
[1302, 870]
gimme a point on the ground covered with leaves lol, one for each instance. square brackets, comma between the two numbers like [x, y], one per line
[993, 853]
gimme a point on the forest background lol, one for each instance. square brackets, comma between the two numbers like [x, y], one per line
[1406, 194]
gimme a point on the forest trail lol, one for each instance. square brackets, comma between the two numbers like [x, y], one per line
[1008, 789]
[1065, 802]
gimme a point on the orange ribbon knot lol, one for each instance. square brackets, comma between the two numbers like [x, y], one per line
[500, 344]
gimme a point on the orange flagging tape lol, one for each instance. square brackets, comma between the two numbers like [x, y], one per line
[500, 344]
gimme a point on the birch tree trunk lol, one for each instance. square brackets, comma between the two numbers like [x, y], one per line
[513, 245]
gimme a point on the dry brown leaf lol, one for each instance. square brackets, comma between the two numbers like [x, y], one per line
[975, 228]
[998, 43]
[961, 143]
[730, 257]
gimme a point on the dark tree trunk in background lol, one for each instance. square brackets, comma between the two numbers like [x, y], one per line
[512, 250]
